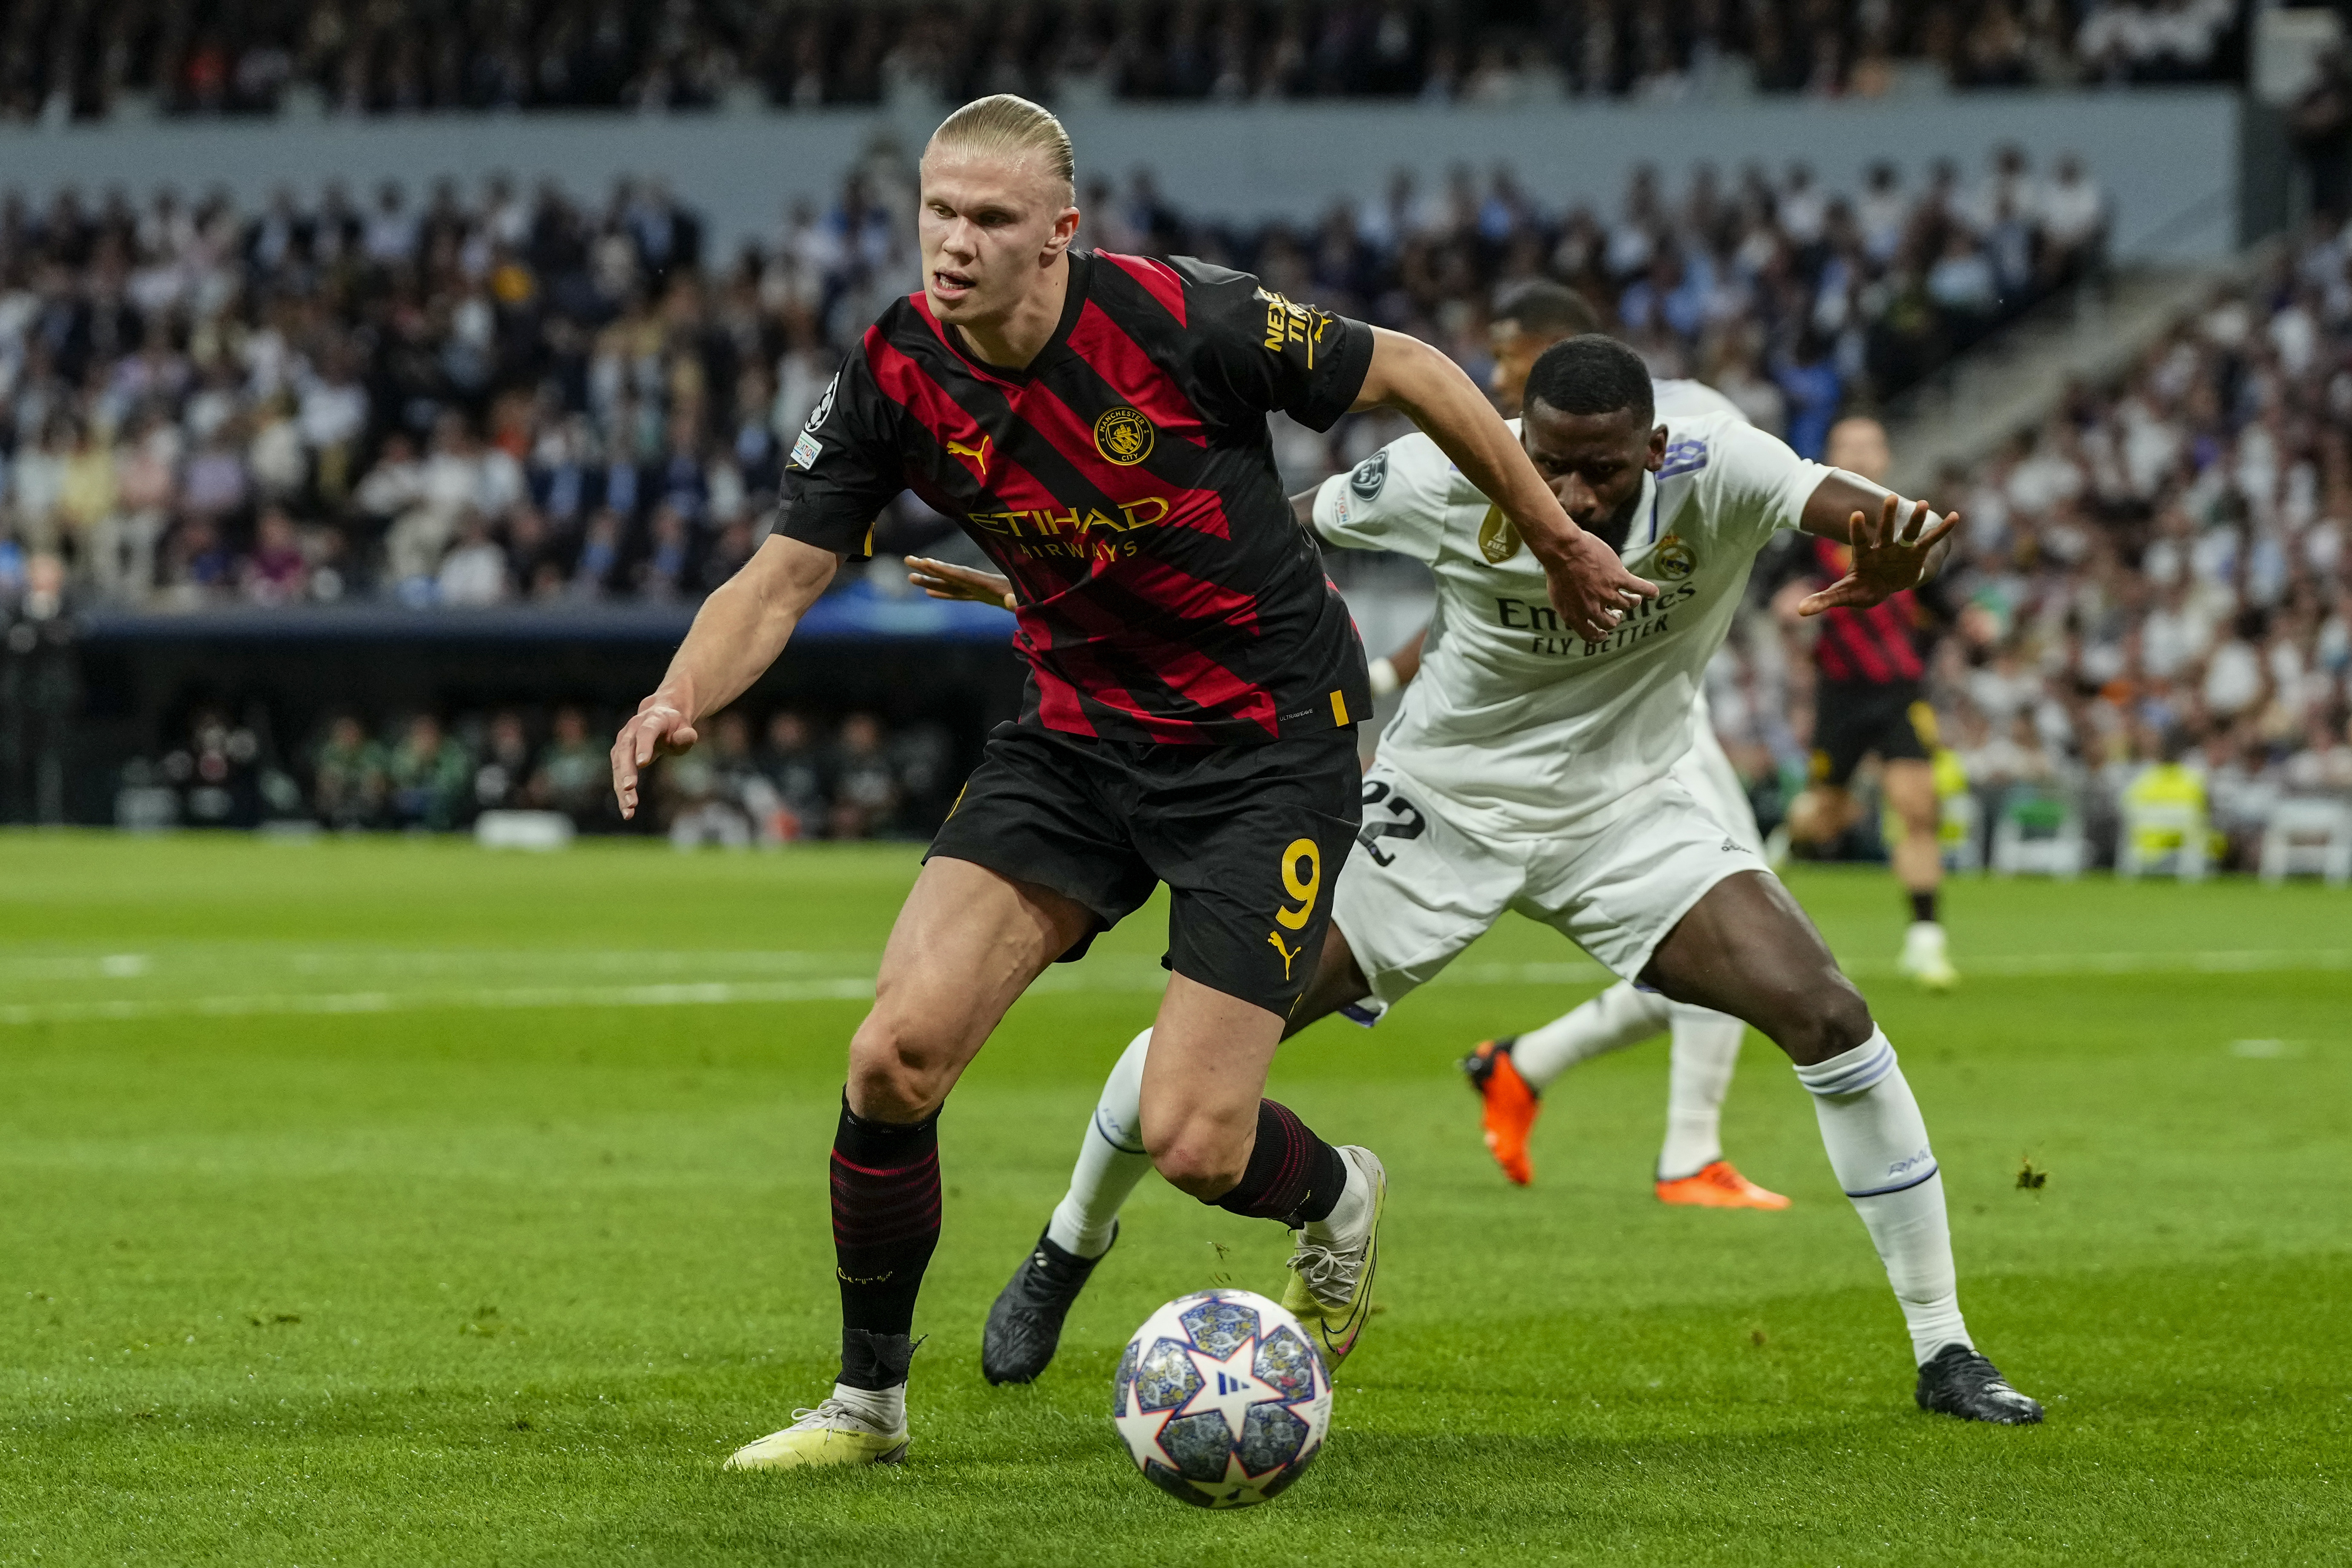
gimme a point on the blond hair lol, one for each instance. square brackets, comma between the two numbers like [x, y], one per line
[1005, 123]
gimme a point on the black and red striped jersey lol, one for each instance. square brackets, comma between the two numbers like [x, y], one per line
[1125, 482]
[1879, 645]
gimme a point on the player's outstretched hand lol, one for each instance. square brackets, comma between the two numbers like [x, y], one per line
[1885, 561]
[1592, 589]
[941, 580]
[658, 731]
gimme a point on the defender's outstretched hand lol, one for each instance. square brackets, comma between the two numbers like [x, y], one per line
[941, 580]
[1885, 562]
[658, 731]
[1591, 588]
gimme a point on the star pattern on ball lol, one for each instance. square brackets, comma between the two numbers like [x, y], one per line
[1229, 1387]
[1235, 1434]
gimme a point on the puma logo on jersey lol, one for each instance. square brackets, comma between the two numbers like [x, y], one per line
[976, 455]
[1288, 953]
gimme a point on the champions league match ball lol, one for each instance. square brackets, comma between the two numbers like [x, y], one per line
[1222, 1399]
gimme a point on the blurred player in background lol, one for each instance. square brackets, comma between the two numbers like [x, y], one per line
[1868, 663]
[1097, 424]
[1510, 1074]
[1534, 770]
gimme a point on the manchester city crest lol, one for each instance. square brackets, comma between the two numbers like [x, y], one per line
[1123, 435]
[1674, 559]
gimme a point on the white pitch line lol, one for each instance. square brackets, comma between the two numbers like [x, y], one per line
[673, 996]
[398, 964]
[1130, 975]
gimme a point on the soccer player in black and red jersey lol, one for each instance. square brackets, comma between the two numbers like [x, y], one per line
[1097, 422]
[1868, 664]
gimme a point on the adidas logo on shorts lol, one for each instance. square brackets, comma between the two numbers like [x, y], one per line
[1729, 847]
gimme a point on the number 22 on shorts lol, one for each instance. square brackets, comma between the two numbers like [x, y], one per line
[1302, 888]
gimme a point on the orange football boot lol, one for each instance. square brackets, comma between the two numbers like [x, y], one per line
[1718, 1186]
[1511, 1106]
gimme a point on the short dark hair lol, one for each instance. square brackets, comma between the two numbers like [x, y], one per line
[1548, 310]
[1591, 373]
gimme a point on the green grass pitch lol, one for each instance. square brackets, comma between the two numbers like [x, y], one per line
[394, 1202]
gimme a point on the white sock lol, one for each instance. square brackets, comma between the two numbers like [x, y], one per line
[1349, 1218]
[1620, 1017]
[1877, 1145]
[1110, 1161]
[1706, 1047]
[885, 1409]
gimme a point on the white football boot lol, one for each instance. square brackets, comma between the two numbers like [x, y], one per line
[1331, 1286]
[832, 1434]
[1923, 959]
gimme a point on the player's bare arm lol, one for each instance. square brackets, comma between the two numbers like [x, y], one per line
[1588, 585]
[736, 636]
[1889, 556]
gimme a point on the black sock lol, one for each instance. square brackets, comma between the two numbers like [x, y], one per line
[875, 1361]
[1293, 1175]
[885, 1222]
[1923, 905]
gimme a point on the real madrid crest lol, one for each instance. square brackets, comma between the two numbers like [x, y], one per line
[1674, 559]
[1123, 435]
[1498, 537]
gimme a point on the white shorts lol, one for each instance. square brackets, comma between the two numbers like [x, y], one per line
[1709, 775]
[1419, 889]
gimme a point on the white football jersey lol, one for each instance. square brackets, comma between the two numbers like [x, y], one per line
[1677, 400]
[1674, 400]
[1524, 726]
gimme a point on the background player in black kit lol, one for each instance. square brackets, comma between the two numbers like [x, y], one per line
[1097, 424]
[1869, 700]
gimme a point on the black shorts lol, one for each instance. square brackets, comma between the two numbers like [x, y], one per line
[1853, 718]
[1249, 839]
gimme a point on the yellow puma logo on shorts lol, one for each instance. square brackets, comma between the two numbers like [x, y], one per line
[1288, 953]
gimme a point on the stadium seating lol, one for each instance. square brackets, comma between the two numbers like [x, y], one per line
[2308, 838]
[465, 404]
[319, 57]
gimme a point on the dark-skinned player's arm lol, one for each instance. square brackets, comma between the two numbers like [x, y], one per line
[1588, 585]
[1890, 554]
[1403, 664]
[737, 634]
[945, 580]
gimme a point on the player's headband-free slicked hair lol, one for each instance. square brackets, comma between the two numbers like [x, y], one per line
[1591, 373]
[1545, 309]
[1006, 124]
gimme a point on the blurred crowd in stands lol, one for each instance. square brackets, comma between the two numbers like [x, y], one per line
[790, 778]
[2154, 592]
[2157, 584]
[520, 397]
[343, 57]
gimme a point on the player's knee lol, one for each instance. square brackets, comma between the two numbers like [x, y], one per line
[1196, 1159]
[1833, 1021]
[894, 1072]
[1814, 815]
